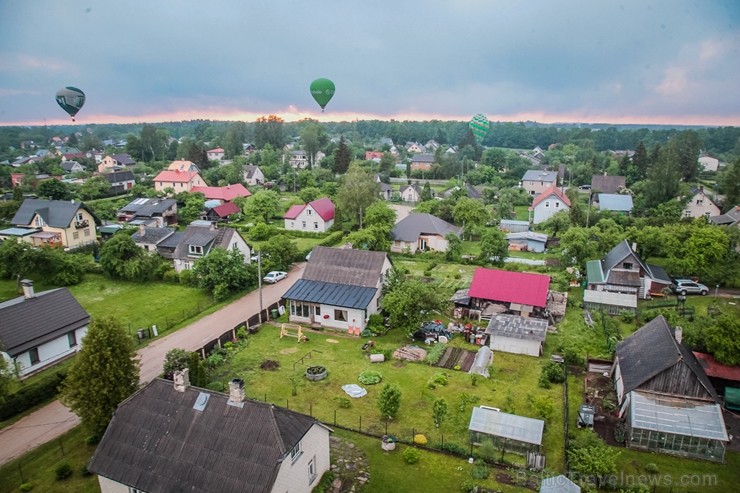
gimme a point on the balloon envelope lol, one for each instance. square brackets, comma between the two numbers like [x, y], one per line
[71, 100]
[479, 126]
[322, 91]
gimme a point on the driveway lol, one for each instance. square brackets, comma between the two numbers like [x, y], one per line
[53, 420]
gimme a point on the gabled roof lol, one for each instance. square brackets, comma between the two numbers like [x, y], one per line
[413, 186]
[714, 368]
[227, 193]
[728, 218]
[539, 175]
[410, 227]
[345, 266]
[119, 176]
[68, 165]
[651, 350]
[250, 170]
[294, 211]
[55, 213]
[227, 209]
[152, 236]
[148, 207]
[27, 323]
[203, 236]
[510, 287]
[176, 176]
[328, 293]
[514, 326]
[559, 484]
[551, 191]
[607, 184]
[158, 442]
[324, 207]
[123, 159]
[615, 202]
[183, 166]
[422, 158]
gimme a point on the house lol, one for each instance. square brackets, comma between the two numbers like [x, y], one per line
[607, 184]
[316, 216]
[253, 175]
[431, 145]
[414, 147]
[221, 212]
[199, 239]
[708, 163]
[18, 179]
[536, 181]
[178, 181]
[559, 484]
[517, 335]
[113, 162]
[421, 232]
[120, 181]
[149, 211]
[340, 289]
[508, 432]
[527, 241]
[410, 193]
[187, 166]
[174, 437]
[700, 205]
[622, 271]
[298, 159]
[668, 402]
[373, 156]
[468, 191]
[548, 203]
[386, 191]
[72, 167]
[614, 202]
[512, 226]
[40, 329]
[422, 162]
[149, 238]
[223, 194]
[524, 293]
[730, 218]
[216, 154]
[62, 223]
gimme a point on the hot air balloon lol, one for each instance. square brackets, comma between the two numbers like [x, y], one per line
[322, 91]
[71, 100]
[479, 126]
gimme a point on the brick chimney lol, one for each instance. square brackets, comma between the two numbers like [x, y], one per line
[236, 392]
[181, 379]
[28, 289]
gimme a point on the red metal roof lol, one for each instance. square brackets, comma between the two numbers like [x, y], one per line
[717, 370]
[226, 209]
[227, 193]
[294, 211]
[324, 208]
[510, 287]
[549, 192]
[175, 176]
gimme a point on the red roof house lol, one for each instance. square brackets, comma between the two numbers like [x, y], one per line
[179, 181]
[224, 194]
[316, 216]
[715, 369]
[510, 287]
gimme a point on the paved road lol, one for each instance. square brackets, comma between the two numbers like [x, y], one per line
[54, 419]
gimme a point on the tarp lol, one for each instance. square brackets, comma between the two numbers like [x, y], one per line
[732, 398]
[354, 390]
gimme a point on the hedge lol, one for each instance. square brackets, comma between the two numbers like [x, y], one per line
[31, 395]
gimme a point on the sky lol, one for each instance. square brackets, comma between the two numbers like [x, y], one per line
[591, 61]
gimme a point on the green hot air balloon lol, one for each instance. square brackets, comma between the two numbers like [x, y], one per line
[71, 100]
[479, 126]
[322, 91]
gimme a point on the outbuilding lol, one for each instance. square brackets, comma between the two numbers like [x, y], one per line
[517, 335]
[514, 433]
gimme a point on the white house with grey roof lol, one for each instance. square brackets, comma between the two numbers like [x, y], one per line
[41, 329]
[517, 335]
[171, 437]
[340, 289]
[253, 175]
[422, 232]
[202, 237]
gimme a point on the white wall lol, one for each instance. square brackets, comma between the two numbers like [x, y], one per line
[515, 346]
[293, 475]
[548, 207]
[314, 222]
[50, 352]
[110, 486]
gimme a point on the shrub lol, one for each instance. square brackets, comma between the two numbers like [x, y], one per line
[343, 402]
[29, 396]
[480, 470]
[84, 471]
[411, 455]
[370, 377]
[552, 372]
[260, 232]
[651, 468]
[435, 353]
[26, 487]
[468, 486]
[474, 377]
[171, 276]
[420, 439]
[627, 316]
[214, 360]
[186, 277]
[325, 483]
[440, 378]
[454, 448]
[63, 471]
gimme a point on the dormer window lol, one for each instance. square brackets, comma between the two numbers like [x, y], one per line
[79, 217]
[195, 250]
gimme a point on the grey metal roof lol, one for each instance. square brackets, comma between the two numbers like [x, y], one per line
[158, 443]
[345, 266]
[27, 323]
[171, 241]
[413, 225]
[505, 325]
[527, 235]
[615, 202]
[148, 207]
[504, 425]
[559, 484]
[677, 415]
[152, 235]
[422, 158]
[652, 349]
[119, 176]
[328, 293]
[539, 175]
[56, 213]
[609, 298]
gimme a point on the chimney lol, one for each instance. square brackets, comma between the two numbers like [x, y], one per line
[28, 289]
[236, 393]
[181, 379]
[678, 333]
[634, 246]
[142, 230]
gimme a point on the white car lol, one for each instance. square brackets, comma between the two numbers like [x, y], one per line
[275, 276]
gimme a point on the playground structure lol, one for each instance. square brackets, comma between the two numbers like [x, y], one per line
[292, 330]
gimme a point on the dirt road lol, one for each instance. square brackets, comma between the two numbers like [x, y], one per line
[54, 419]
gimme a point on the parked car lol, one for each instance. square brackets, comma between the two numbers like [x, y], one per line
[274, 276]
[687, 286]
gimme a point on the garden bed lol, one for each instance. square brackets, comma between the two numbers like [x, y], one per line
[455, 356]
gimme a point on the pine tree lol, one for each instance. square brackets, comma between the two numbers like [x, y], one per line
[389, 400]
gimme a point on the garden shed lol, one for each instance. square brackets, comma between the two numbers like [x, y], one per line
[512, 226]
[517, 335]
[514, 433]
[611, 303]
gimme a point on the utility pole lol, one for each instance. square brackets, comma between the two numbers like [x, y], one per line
[259, 280]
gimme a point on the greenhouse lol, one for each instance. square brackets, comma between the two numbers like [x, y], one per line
[678, 426]
[513, 433]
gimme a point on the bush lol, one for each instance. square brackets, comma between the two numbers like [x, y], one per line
[435, 353]
[186, 277]
[325, 483]
[261, 232]
[420, 439]
[26, 487]
[552, 372]
[651, 468]
[411, 455]
[468, 486]
[343, 402]
[480, 470]
[370, 377]
[171, 276]
[454, 448]
[63, 471]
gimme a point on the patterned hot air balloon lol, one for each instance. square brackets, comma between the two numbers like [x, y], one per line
[322, 91]
[479, 126]
[71, 100]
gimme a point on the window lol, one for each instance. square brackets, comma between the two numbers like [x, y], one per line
[317, 310]
[295, 452]
[34, 355]
[134, 490]
[72, 339]
[303, 224]
[39, 222]
[699, 201]
[76, 235]
[557, 205]
[627, 265]
[79, 217]
[309, 212]
[195, 249]
[312, 470]
[340, 315]
[547, 204]
[315, 225]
